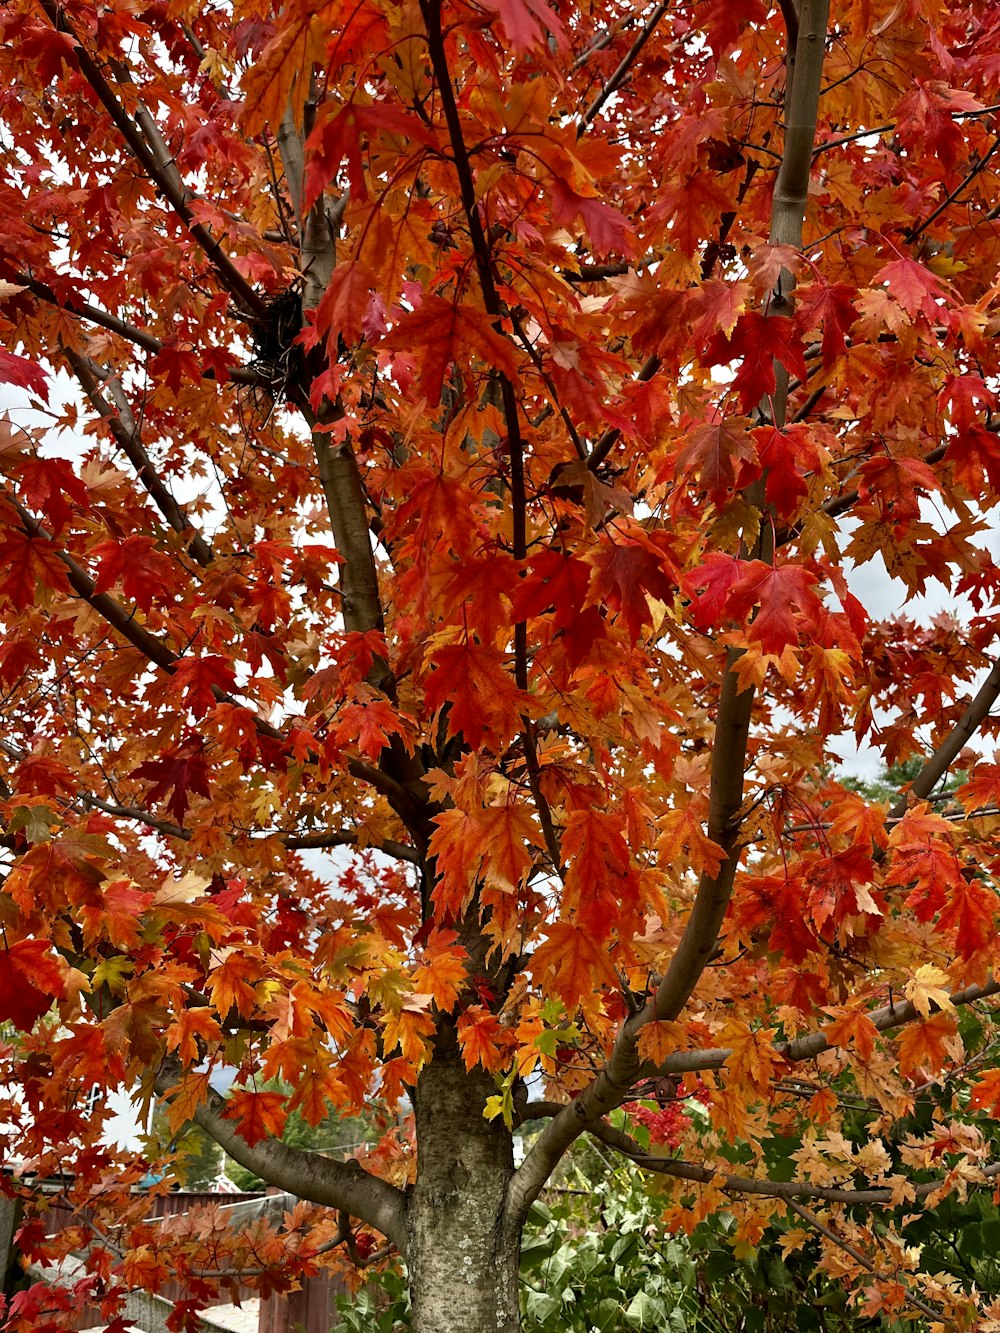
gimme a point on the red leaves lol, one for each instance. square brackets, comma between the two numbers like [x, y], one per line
[914, 287]
[24, 373]
[473, 684]
[199, 678]
[441, 334]
[715, 453]
[527, 22]
[629, 570]
[145, 573]
[30, 980]
[479, 1038]
[182, 774]
[758, 342]
[729, 589]
[31, 566]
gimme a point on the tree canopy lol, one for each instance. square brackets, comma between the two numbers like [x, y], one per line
[434, 606]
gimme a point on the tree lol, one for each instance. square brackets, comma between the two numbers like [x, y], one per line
[479, 410]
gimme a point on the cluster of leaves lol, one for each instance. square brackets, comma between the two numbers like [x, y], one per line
[530, 584]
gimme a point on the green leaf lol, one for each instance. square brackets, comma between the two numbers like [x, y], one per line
[34, 821]
[645, 1311]
[111, 972]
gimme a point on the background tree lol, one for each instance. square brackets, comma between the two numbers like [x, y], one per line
[480, 409]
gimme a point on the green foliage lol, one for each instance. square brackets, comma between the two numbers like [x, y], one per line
[199, 1158]
[891, 781]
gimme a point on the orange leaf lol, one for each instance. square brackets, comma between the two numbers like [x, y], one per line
[924, 1048]
[260, 1115]
[479, 1036]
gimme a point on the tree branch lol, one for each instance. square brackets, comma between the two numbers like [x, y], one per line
[624, 67]
[698, 941]
[941, 760]
[935, 1315]
[874, 1196]
[125, 429]
[317, 1179]
[140, 337]
[165, 178]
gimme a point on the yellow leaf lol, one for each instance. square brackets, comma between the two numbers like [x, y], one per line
[658, 1040]
[928, 986]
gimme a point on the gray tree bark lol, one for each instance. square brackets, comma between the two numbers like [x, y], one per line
[462, 1253]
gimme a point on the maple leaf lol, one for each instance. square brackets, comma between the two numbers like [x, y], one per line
[527, 22]
[657, 1040]
[442, 976]
[924, 1048]
[51, 486]
[144, 572]
[446, 334]
[31, 979]
[974, 454]
[716, 453]
[830, 306]
[27, 562]
[199, 677]
[779, 592]
[626, 573]
[985, 1095]
[190, 1027]
[117, 914]
[758, 341]
[601, 882]
[571, 962]
[259, 1115]
[929, 985]
[24, 373]
[914, 287]
[183, 773]
[479, 1034]
[853, 1028]
[472, 681]
[409, 1030]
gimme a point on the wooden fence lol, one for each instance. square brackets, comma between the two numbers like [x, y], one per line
[311, 1309]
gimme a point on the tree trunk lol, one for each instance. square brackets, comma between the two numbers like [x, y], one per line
[462, 1255]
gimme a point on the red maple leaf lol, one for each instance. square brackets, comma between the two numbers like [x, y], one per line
[24, 373]
[182, 773]
[30, 979]
[758, 341]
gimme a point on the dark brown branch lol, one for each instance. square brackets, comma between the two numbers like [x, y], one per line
[624, 68]
[157, 652]
[116, 615]
[166, 181]
[125, 429]
[140, 337]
